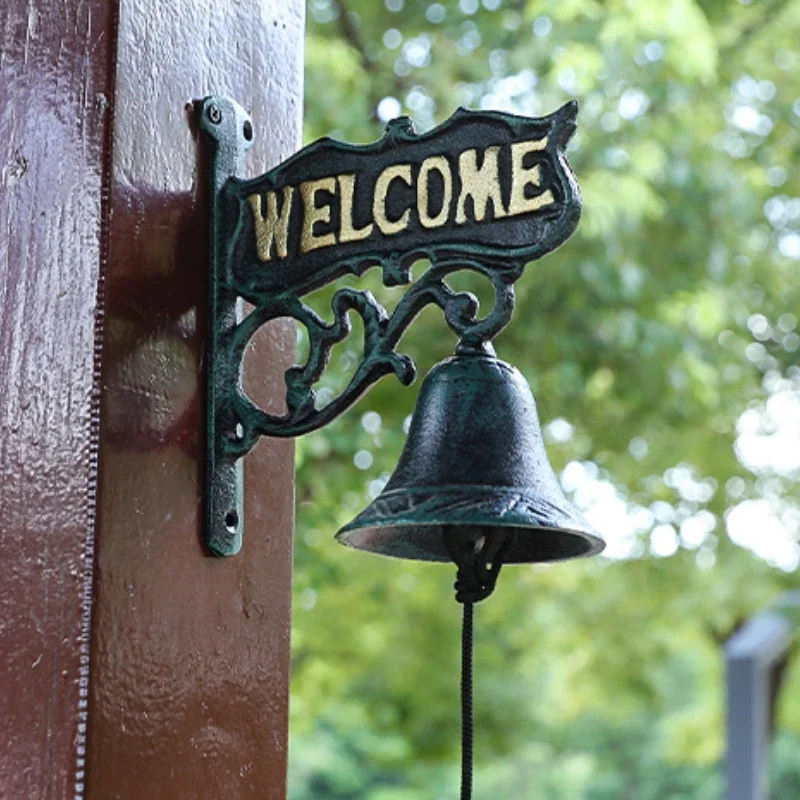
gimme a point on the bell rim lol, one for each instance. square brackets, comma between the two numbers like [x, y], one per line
[596, 543]
[560, 522]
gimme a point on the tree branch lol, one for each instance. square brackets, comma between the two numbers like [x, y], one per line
[371, 67]
[771, 13]
[351, 35]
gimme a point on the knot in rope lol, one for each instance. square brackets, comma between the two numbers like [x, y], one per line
[479, 559]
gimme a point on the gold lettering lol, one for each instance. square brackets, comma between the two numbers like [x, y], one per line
[481, 185]
[312, 213]
[348, 232]
[385, 225]
[274, 226]
[522, 177]
[440, 165]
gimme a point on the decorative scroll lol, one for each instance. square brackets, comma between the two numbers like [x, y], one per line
[382, 333]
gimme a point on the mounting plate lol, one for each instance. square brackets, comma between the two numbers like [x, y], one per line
[229, 132]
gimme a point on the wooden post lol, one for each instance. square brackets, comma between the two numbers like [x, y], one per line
[55, 77]
[135, 665]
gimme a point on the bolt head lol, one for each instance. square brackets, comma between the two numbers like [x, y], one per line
[214, 113]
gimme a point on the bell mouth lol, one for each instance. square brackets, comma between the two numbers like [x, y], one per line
[412, 524]
[425, 542]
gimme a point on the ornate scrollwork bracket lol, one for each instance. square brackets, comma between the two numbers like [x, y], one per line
[485, 192]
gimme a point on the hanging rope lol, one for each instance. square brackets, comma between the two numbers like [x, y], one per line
[466, 703]
[479, 560]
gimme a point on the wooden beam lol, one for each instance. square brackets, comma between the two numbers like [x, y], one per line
[56, 73]
[190, 654]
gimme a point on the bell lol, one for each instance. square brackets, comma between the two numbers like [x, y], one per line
[473, 470]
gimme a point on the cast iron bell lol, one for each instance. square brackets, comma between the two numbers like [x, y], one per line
[474, 468]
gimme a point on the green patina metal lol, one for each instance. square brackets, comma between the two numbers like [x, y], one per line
[474, 468]
[484, 191]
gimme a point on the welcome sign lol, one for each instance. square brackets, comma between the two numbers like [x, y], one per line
[486, 185]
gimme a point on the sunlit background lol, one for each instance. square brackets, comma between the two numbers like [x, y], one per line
[663, 348]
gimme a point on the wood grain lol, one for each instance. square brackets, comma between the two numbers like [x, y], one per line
[55, 77]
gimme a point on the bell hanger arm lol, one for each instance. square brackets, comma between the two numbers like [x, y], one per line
[382, 334]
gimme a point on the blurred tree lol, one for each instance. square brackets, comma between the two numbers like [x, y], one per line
[662, 345]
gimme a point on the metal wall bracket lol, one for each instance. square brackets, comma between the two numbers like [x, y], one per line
[229, 131]
[484, 191]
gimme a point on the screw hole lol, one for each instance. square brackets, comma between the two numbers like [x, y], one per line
[247, 130]
[232, 521]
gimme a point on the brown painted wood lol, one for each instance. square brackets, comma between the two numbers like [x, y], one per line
[190, 654]
[55, 76]
[189, 664]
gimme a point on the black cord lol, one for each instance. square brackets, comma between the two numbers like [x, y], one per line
[479, 561]
[466, 703]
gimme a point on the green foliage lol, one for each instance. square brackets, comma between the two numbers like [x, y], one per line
[660, 332]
